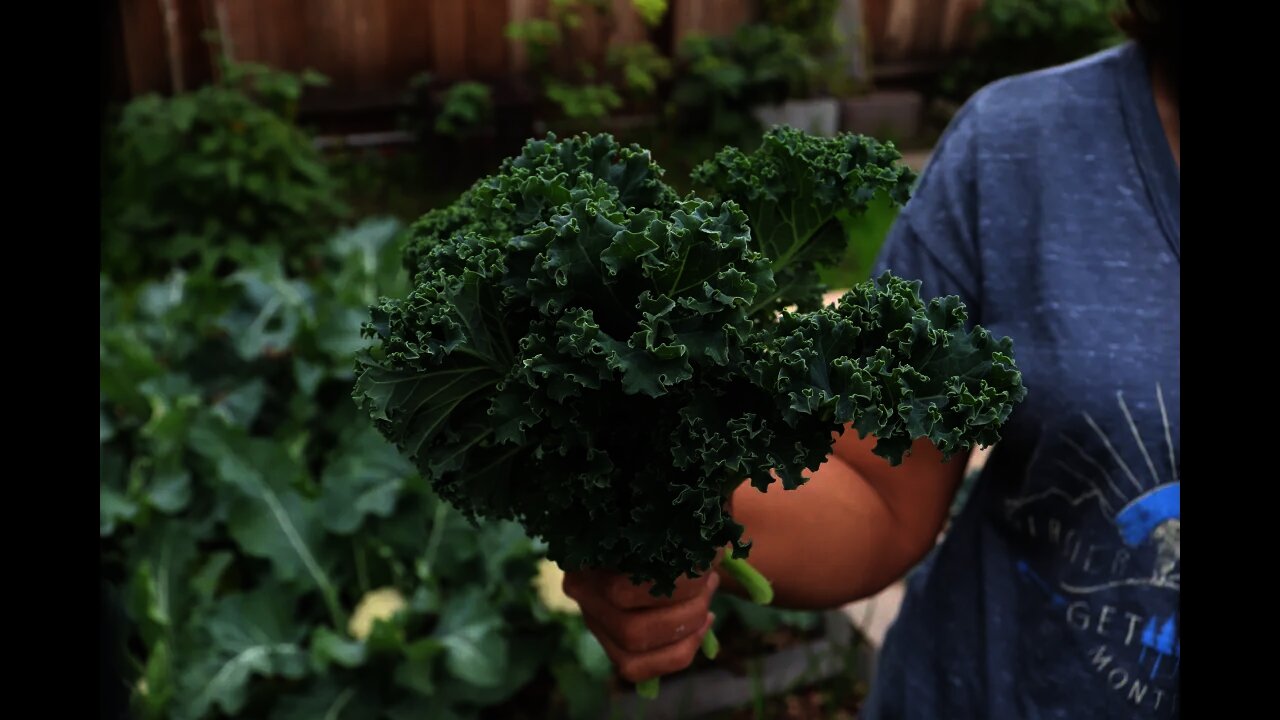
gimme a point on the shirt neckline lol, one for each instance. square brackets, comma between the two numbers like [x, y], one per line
[1160, 172]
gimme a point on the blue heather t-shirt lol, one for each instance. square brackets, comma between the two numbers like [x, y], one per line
[1051, 208]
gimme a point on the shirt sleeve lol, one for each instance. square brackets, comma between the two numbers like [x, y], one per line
[935, 237]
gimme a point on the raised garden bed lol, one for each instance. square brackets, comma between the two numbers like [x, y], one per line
[819, 116]
[777, 676]
[888, 114]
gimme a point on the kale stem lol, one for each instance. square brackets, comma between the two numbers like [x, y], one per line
[647, 689]
[749, 578]
[757, 587]
[710, 645]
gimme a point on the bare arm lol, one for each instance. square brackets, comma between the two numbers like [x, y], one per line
[854, 528]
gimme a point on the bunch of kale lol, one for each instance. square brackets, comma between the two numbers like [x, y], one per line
[589, 354]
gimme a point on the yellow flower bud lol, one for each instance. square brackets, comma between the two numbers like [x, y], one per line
[381, 604]
[550, 586]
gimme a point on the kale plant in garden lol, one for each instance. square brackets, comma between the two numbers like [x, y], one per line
[466, 107]
[206, 175]
[722, 79]
[604, 362]
[584, 86]
[276, 558]
[1019, 36]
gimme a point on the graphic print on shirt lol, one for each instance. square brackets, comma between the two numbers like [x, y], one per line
[1109, 525]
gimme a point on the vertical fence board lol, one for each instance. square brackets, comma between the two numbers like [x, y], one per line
[449, 38]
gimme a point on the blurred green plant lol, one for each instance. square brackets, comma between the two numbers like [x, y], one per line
[640, 67]
[723, 78]
[1018, 36]
[814, 19]
[651, 11]
[762, 619]
[584, 88]
[277, 559]
[209, 174]
[465, 107]
[583, 102]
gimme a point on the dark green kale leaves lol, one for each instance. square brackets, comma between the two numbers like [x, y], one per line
[589, 355]
[801, 191]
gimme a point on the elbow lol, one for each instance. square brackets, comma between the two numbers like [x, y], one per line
[906, 548]
[916, 546]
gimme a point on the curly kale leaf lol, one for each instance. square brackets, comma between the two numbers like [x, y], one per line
[800, 191]
[591, 360]
[529, 187]
[540, 381]
[890, 365]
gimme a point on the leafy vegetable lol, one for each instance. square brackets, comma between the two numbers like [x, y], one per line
[651, 11]
[802, 193]
[812, 18]
[530, 186]
[585, 85]
[590, 357]
[465, 107]
[201, 177]
[278, 558]
[589, 101]
[641, 66]
[722, 79]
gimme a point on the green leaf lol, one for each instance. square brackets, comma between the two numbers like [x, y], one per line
[585, 694]
[466, 106]
[800, 192]
[325, 700]
[651, 11]
[590, 655]
[476, 654]
[364, 476]
[470, 633]
[269, 314]
[113, 509]
[894, 367]
[423, 649]
[338, 330]
[308, 375]
[157, 675]
[169, 491]
[240, 406]
[106, 428]
[280, 527]
[387, 635]
[159, 597]
[527, 654]
[413, 404]
[249, 634]
[175, 402]
[266, 517]
[206, 581]
[329, 647]
[425, 600]
[417, 708]
[416, 674]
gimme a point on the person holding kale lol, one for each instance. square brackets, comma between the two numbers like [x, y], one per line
[1051, 208]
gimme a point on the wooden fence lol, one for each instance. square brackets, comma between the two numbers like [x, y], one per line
[913, 36]
[371, 48]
